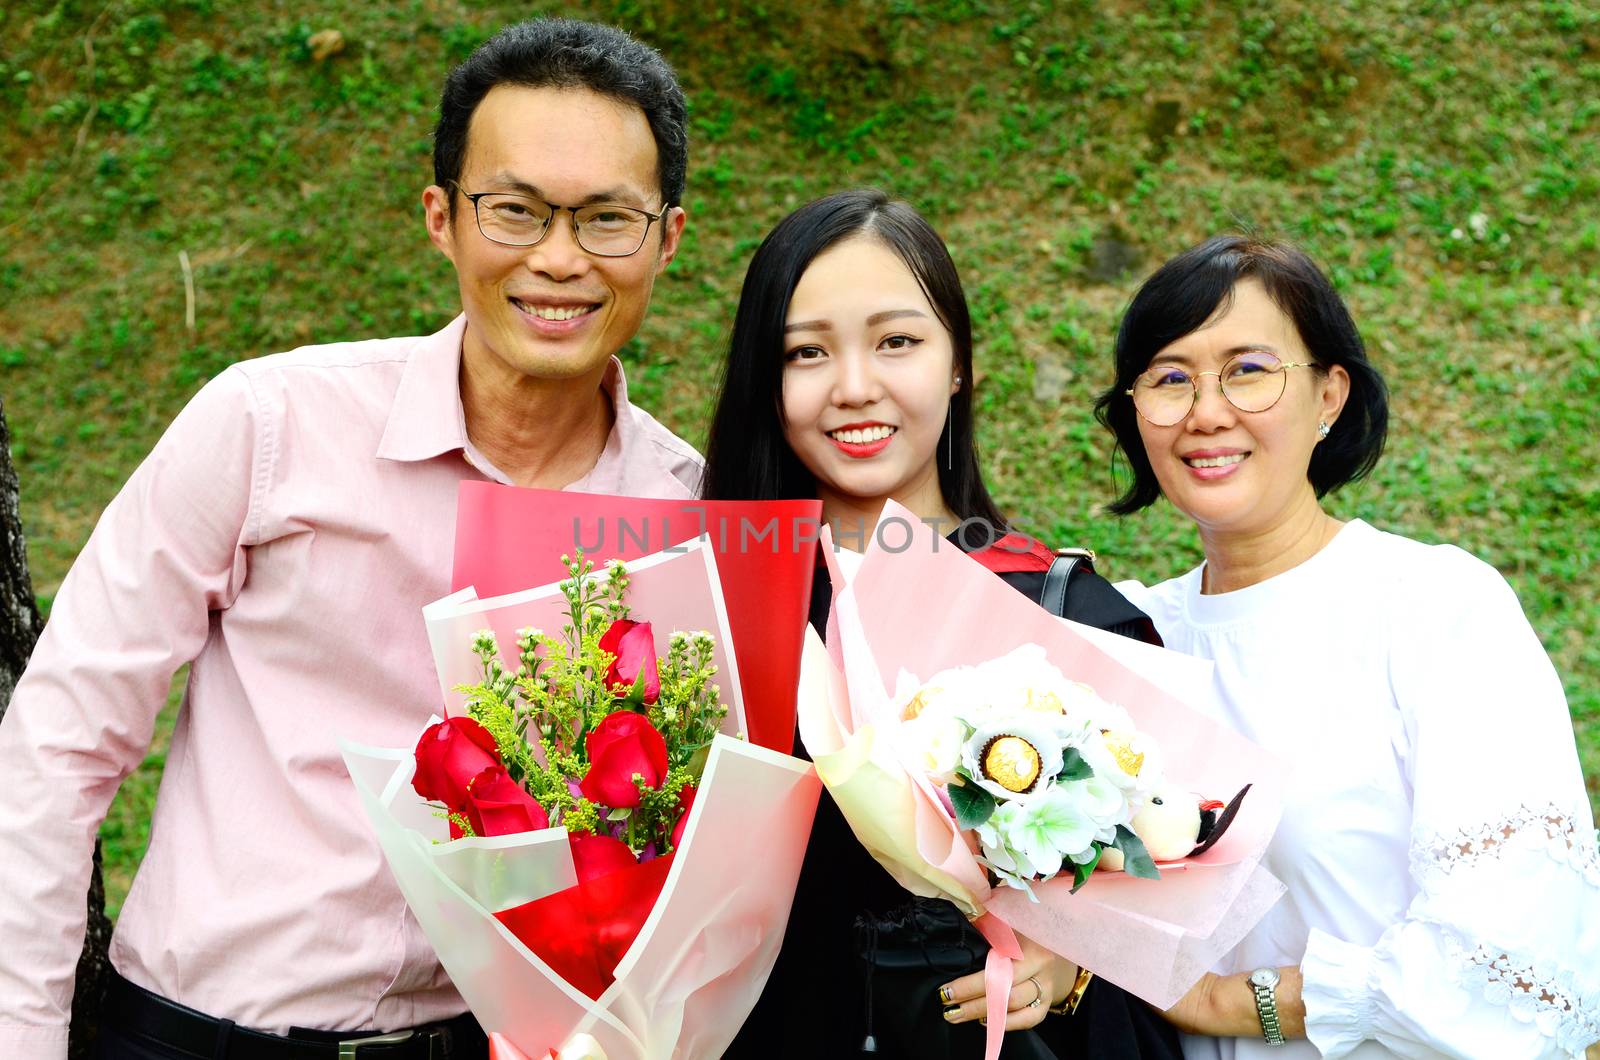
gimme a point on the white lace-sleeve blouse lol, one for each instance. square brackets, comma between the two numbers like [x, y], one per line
[1437, 843]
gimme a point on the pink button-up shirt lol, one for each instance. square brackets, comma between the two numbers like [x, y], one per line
[283, 536]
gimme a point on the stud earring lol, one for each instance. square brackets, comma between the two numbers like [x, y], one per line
[1323, 430]
[958, 381]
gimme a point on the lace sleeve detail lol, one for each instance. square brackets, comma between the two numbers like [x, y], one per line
[1553, 1003]
[1556, 1003]
[1551, 829]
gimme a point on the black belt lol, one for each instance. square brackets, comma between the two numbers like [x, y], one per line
[133, 1009]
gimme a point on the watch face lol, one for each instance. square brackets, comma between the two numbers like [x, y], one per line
[1264, 977]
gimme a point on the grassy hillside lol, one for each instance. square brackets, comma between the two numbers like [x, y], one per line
[1441, 158]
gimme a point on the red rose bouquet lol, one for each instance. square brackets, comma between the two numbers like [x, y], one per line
[593, 733]
[595, 852]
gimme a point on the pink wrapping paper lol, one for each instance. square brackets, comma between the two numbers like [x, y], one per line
[678, 590]
[700, 961]
[929, 607]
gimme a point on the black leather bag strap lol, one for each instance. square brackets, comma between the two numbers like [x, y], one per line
[1068, 561]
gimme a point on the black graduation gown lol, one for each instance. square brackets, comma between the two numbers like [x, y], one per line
[820, 1000]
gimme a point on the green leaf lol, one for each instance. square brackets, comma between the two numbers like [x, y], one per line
[973, 805]
[1073, 767]
[1136, 859]
[1081, 873]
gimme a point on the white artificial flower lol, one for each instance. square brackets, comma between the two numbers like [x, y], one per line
[946, 692]
[1100, 801]
[933, 741]
[1099, 749]
[1030, 840]
[1085, 704]
[1024, 679]
[1041, 731]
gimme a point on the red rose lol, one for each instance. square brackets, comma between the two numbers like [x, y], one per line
[634, 646]
[598, 855]
[498, 805]
[622, 745]
[449, 755]
[685, 804]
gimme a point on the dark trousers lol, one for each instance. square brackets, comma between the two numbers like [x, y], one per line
[129, 1031]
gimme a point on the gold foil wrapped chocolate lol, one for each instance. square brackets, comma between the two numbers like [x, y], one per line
[1011, 762]
[1045, 702]
[917, 702]
[1121, 747]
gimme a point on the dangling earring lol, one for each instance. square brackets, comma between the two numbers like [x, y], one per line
[949, 435]
[950, 429]
[1323, 430]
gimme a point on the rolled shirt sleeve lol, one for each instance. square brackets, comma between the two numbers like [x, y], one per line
[1498, 953]
[168, 550]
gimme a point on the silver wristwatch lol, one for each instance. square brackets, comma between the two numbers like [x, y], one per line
[1264, 981]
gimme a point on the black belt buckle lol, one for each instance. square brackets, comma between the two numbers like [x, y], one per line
[437, 1043]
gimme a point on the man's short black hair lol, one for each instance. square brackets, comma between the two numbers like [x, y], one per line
[1186, 292]
[566, 53]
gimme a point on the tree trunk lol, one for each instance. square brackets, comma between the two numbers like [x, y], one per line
[19, 616]
[19, 628]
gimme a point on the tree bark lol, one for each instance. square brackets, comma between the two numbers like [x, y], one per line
[19, 629]
[19, 615]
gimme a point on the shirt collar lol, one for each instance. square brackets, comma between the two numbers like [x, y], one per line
[426, 420]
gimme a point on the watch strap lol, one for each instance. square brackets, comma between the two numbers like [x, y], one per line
[1267, 1012]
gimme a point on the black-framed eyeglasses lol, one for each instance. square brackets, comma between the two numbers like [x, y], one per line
[602, 229]
[1252, 382]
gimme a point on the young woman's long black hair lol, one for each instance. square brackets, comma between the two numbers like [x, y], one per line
[747, 457]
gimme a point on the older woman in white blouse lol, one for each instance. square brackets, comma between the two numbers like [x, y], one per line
[1437, 843]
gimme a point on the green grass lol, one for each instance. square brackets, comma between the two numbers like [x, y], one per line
[1441, 158]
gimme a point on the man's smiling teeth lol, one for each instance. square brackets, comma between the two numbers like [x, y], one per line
[1214, 461]
[862, 437]
[551, 312]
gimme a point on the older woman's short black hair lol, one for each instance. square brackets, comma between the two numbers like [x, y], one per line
[1186, 292]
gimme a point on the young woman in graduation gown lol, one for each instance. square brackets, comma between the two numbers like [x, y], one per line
[850, 379]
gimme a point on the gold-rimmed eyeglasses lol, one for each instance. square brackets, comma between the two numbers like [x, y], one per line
[1252, 382]
[602, 229]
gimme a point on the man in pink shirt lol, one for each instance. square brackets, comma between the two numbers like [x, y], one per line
[282, 537]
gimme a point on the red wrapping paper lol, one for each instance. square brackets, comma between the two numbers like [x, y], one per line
[583, 932]
[508, 539]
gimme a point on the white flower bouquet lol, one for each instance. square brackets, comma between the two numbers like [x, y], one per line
[1044, 771]
[1000, 783]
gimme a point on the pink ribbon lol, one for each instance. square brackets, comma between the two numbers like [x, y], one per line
[500, 1048]
[997, 975]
